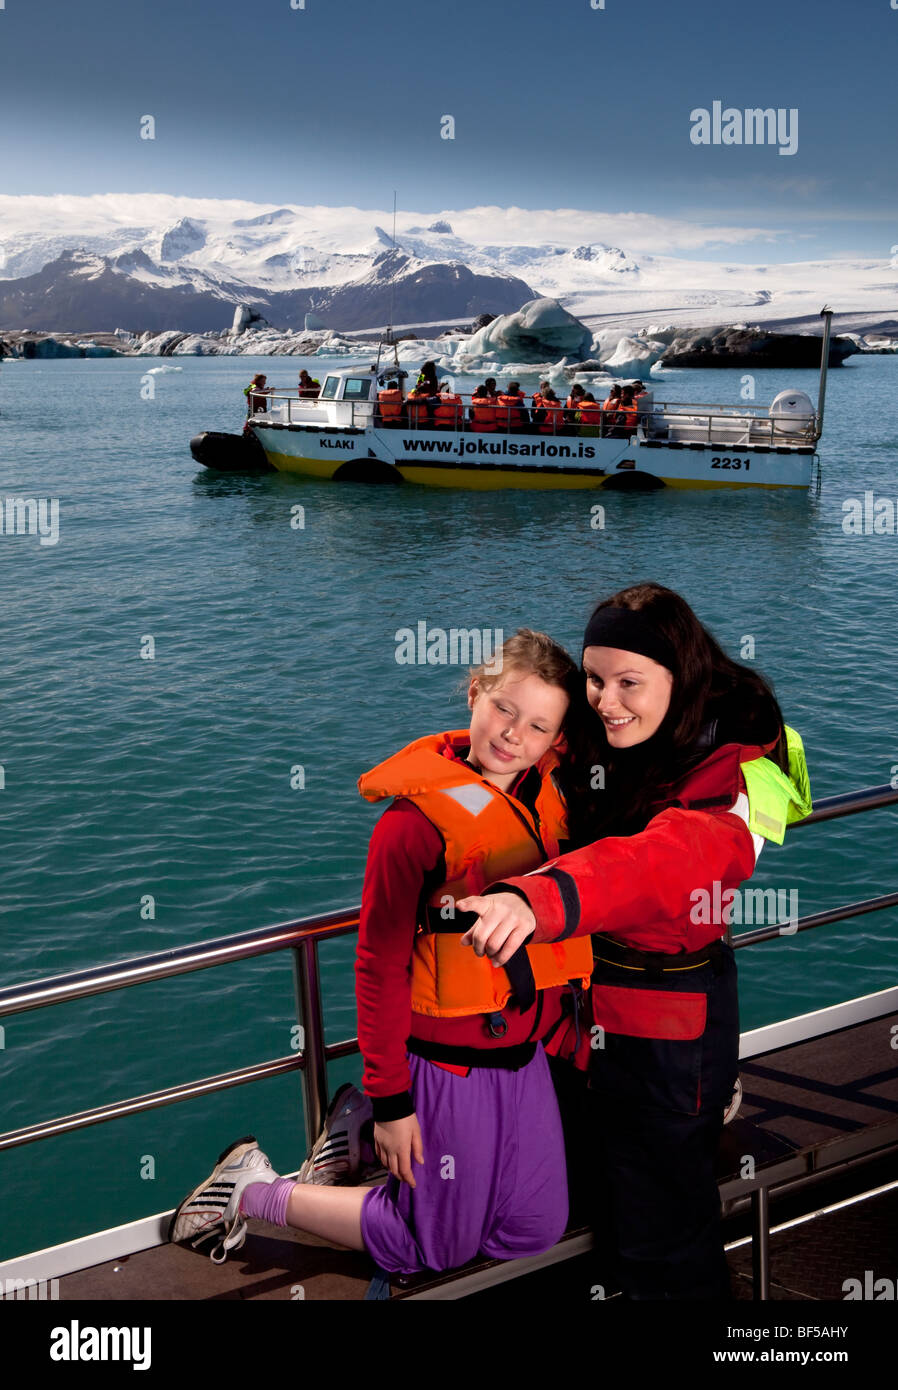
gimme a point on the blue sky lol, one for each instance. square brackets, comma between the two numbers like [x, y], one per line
[555, 105]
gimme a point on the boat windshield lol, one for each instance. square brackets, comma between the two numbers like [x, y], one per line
[330, 388]
[357, 388]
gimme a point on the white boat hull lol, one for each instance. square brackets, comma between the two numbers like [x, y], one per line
[454, 458]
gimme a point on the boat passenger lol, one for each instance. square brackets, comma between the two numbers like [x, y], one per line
[538, 398]
[427, 378]
[513, 414]
[490, 389]
[628, 412]
[452, 1058]
[552, 415]
[448, 412]
[483, 411]
[611, 405]
[572, 404]
[390, 405]
[256, 394]
[420, 407]
[309, 386]
[589, 415]
[697, 766]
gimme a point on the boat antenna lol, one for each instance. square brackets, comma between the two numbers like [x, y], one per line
[388, 337]
[826, 314]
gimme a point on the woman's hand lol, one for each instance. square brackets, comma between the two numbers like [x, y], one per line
[396, 1143]
[505, 923]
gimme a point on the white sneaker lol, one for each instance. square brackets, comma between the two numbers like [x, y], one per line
[735, 1102]
[213, 1208]
[341, 1150]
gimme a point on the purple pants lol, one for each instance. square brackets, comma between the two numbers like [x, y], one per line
[493, 1180]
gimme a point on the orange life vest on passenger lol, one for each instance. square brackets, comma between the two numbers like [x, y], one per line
[537, 401]
[417, 409]
[447, 415]
[511, 413]
[628, 415]
[590, 413]
[573, 403]
[554, 420]
[390, 404]
[487, 836]
[612, 403]
[483, 411]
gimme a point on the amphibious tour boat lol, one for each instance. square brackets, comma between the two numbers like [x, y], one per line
[348, 434]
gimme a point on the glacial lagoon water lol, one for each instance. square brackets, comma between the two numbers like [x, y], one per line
[175, 778]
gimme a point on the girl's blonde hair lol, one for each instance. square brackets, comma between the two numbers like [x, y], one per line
[533, 653]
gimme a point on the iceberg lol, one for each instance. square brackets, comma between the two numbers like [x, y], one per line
[634, 356]
[538, 332]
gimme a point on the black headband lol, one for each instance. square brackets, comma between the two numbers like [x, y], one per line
[629, 631]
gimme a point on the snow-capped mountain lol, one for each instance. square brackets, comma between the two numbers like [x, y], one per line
[148, 262]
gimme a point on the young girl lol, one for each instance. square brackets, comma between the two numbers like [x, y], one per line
[698, 771]
[465, 1115]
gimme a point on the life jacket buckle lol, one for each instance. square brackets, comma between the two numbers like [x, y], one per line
[497, 1025]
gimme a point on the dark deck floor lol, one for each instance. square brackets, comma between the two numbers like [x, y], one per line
[814, 1106]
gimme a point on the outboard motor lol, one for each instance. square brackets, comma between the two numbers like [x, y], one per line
[792, 412]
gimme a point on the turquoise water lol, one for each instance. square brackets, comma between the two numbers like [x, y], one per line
[274, 647]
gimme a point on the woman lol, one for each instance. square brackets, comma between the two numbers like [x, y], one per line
[678, 772]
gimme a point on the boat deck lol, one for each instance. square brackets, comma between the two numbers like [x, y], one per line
[819, 1119]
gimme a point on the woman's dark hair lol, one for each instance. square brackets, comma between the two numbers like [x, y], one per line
[714, 700]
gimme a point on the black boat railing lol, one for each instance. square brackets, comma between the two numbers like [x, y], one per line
[302, 938]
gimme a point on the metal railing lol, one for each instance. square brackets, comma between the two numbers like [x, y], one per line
[301, 937]
[699, 422]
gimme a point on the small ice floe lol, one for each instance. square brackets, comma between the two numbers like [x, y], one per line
[156, 371]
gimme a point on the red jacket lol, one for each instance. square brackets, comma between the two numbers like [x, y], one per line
[639, 888]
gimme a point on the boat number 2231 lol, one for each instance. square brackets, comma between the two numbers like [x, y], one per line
[729, 463]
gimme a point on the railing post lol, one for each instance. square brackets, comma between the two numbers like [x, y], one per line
[760, 1244]
[308, 1002]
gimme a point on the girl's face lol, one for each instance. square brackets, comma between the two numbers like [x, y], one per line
[629, 693]
[513, 724]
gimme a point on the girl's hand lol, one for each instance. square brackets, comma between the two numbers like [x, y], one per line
[396, 1143]
[505, 923]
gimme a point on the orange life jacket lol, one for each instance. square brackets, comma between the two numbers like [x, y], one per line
[537, 401]
[573, 402]
[510, 413]
[554, 420]
[612, 403]
[390, 404]
[590, 413]
[487, 836]
[483, 409]
[628, 415]
[417, 408]
[447, 415]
